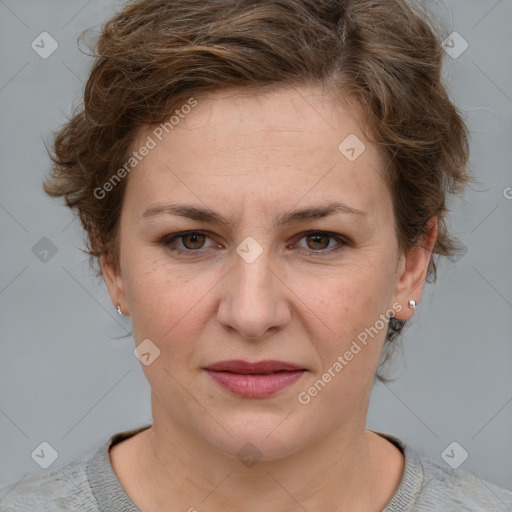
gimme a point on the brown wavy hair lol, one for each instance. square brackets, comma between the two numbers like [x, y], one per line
[153, 55]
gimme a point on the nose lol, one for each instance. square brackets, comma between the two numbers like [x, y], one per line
[254, 299]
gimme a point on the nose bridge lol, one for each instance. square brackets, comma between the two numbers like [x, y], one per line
[252, 276]
[252, 269]
[251, 304]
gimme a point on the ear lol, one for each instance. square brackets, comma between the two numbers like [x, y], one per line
[115, 284]
[412, 271]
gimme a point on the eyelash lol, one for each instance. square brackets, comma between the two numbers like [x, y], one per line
[167, 240]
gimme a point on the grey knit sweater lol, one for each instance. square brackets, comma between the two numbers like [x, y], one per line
[90, 485]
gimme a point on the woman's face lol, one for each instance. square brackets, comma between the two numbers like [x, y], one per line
[256, 281]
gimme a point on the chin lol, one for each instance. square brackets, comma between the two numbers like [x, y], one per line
[260, 437]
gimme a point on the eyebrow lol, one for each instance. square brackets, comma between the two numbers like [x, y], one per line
[208, 216]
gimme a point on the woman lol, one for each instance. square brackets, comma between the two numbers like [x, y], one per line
[264, 187]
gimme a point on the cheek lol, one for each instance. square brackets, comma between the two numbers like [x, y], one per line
[351, 305]
[350, 350]
[356, 295]
[167, 301]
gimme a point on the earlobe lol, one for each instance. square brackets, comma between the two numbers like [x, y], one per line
[114, 282]
[413, 270]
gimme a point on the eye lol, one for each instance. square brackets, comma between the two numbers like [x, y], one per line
[318, 241]
[192, 241]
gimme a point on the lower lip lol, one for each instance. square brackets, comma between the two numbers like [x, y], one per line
[255, 386]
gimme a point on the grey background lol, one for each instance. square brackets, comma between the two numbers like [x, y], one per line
[66, 380]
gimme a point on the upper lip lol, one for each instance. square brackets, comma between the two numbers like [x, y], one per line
[244, 367]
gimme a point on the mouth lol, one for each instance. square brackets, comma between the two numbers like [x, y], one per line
[254, 380]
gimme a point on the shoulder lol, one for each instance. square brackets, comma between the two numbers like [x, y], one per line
[428, 485]
[58, 490]
[87, 484]
[461, 490]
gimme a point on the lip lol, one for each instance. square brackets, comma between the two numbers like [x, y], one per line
[254, 380]
[244, 367]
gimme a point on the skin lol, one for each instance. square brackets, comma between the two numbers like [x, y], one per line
[251, 158]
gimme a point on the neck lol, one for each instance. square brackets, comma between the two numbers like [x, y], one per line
[353, 468]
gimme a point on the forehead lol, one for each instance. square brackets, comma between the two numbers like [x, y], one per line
[303, 117]
[280, 145]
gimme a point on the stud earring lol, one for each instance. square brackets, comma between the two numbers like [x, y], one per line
[119, 310]
[412, 304]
